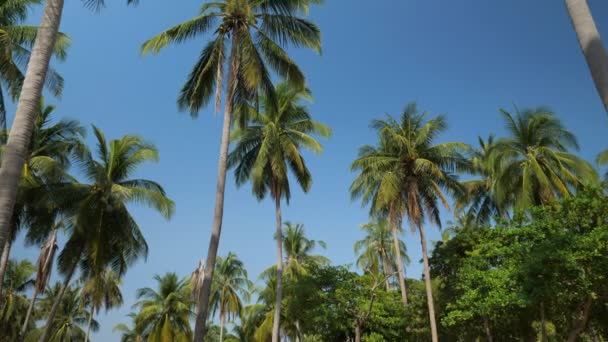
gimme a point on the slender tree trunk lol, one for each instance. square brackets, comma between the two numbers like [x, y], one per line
[86, 337]
[486, 326]
[581, 322]
[298, 332]
[427, 282]
[51, 317]
[276, 322]
[6, 251]
[591, 45]
[27, 108]
[543, 323]
[222, 323]
[30, 309]
[200, 328]
[398, 261]
[386, 273]
[358, 332]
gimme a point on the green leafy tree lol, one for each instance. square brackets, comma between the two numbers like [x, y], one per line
[101, 231]
[268, 148]
[408, 173]
[537, 165]
[101, 290]
[231, 284]
[165, 313]
[249, 38]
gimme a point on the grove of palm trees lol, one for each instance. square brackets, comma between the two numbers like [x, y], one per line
[387, 171]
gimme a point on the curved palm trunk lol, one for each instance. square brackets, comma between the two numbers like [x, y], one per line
[51, 317]
[427, 282]
[27, 107]
[6, 251]
[200, 329]
[591, 44]
[86, 337]
[30, 309]
[276, 322]
[222, 324]
[399, 262]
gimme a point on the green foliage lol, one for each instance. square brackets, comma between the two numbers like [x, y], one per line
[17, 280]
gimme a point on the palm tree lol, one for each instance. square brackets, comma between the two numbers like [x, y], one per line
[298, 250]
[375, 254]
[44, 267]
[27, 109]
[591, 45]
[101, 290]
[129, 334]
[537, 165]
[231, 284]
[15, 45]
[100, 228]
[48, 158]
[18, 280]
[165, 313]
[416, 171]
[68, 321]
[479, 200]
[248, 38]
[270, 146]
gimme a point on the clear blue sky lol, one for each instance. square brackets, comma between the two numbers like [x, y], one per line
[462, 58]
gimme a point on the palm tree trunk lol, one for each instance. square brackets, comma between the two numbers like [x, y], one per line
[51, 317]
[276, 322]
[399, 261]
[486, 326]
[6, 251]
[200, 328]
[86, 337]
[30, 309]
[222, 323]
[591, 44]
[27, 108]
[386, 273]
[427, 282]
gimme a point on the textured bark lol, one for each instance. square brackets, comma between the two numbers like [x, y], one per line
[276, 322]
[6, 251]
[200, 328]
[581, 322]
[51, 317]
[27, 108]
[399, 261]
[427, 282]
[86, 337]
[591, 45]
[28, 315]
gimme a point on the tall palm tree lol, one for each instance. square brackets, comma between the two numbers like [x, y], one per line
[231, 283]
[270, 146]
[47, 160]
[537, 165]
[129, 334]
[17, 40]
[591, 45]
[249, 37]
[27, 109]
[101, 290]
[298, 249]
[419, 172]
[165, 313]
[479, 200]
[100, 228]
[19, 278]
[69, 320]
[375, 254]
[44, 266]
